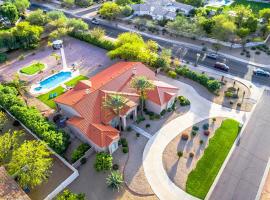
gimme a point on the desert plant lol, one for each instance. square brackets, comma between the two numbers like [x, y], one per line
[195, 128]
[114, 180]
[179, 154]
[206, 132]
[191, 154]
[184, 136]
[205, 126]
[115, 167]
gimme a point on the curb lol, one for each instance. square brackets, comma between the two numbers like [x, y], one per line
[267, 168]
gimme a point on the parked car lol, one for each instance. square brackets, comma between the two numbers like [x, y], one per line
[221, 66]
[261, 72]
[212, 55]
[57, 44]
[95, 21]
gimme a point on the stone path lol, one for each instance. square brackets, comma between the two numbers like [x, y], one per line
[200, 109]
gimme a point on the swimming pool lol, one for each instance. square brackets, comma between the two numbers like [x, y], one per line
[52, 82]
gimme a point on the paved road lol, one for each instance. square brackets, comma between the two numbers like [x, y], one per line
[242, 175]
[237, 68]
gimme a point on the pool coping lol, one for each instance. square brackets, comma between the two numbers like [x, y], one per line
[73, 75]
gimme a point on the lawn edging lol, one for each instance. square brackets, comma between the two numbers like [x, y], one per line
[225, 135]
[230, 152]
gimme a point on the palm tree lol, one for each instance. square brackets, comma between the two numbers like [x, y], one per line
[115, 102]
[142, 85]
[114, 180]
[20, 86]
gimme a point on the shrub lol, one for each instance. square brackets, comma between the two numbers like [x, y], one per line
[33, 119]
[194, 133]
[140, 119]
[228, 94]
[16, 123]
[125, 149]
[206, 132]
[180, 154]
[257, 52]
[172, 74]
[195, 128]
[129, 129]
[253, 48]
[115, 167]
[184, 136]
[231, 102]
[147, 126]
[211, 85]
[103, 161]
[83, 3]
[214, 119]
[239, 104]
[79, 152]
[3, 57]
[83, 161]
[206, 126]
[201, 142]
[157, 116]
[124, 142]
[183, 101]
[191, 154]
[138, 134]
[163, 112]
[152, 117]
[87, 37]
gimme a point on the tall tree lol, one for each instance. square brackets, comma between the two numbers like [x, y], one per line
[30, 163]
[243, 33]
[109, 10]
[9, 10]
[142, 85]
[115, 103]
[9, 142]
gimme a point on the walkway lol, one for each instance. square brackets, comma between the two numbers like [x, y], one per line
[140, 131]
[200, 109]
[242, 175]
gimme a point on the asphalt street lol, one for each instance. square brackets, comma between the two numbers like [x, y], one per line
[237, 68]
[242, 175]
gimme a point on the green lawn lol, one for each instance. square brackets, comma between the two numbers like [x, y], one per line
[255, 6]
[33, 68]
[75, 80]
[45, 98]
[202, 177]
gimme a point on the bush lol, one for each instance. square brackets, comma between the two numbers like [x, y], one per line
[201, 142]
[16, 123]
[103, 161]
[172, 74]
[124, 142]
[257, 52]
[140, 119]
[231, 102]
[184, 136]
[228, 94]
[79, 152]
[100, 42]
[152, 117]
[253, 48]
[129, 129]
[195, 128]
[157, 116]
[163, 112]
[169, 110]
[206, 126]
[115, 167]
[239, 104]
[191, 154]
[180, 154]
[138, 134]
[33, 119]
[83, 3]
[211, 85]
[3, 57]
[147, 126]
[183, 101]
[125, 149]
[194, 133]
[206, 132]
[83, 161]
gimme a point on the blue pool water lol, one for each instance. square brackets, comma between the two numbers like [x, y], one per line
[53, 81]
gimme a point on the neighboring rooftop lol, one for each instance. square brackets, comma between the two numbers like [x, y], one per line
[9, 189]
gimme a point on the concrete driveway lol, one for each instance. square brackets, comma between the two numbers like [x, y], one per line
[200, 109]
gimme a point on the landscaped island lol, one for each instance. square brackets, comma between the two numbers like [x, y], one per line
[33, 68]
[202, 177]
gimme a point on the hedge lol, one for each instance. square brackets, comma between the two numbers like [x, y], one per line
[211, 84]
[33, 119]
[86, 36]
[79, 152]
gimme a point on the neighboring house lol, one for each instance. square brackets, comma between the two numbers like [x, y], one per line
[9, 189]
[88, 118]
[161, 9]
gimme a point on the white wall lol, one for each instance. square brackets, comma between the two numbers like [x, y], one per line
[154, 107]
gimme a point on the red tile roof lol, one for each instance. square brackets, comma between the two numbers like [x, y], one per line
[87, 96]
